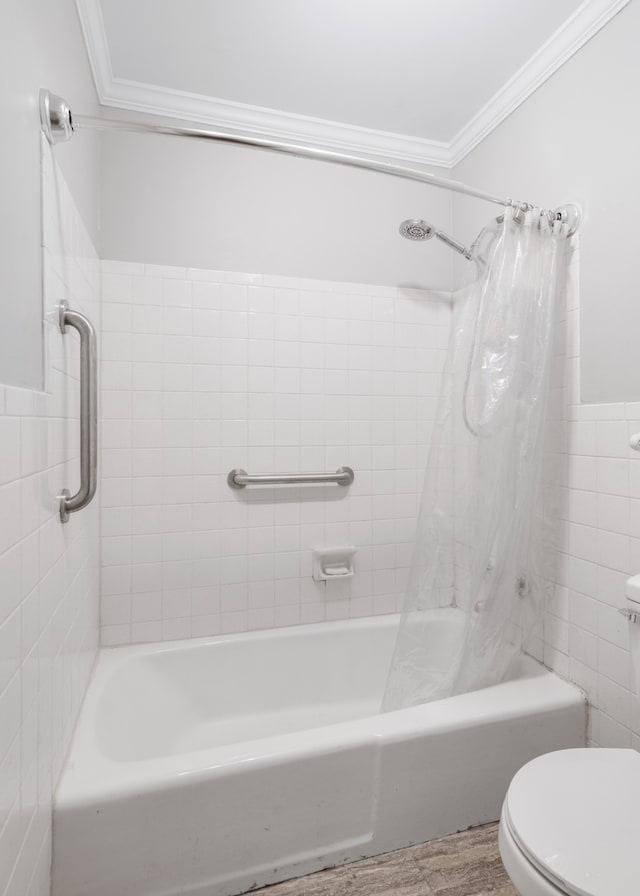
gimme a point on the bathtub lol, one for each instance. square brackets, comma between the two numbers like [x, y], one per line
[213, 766]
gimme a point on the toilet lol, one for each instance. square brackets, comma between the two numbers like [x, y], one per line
[570, 824]
[570, 821]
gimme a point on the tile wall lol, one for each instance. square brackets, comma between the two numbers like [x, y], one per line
[205, 371]
[48, 572]
[586, 639]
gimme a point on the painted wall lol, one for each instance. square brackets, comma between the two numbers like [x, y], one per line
[577, 138]
[40, 46]
[205, 371]
[193, 204]
[48, 573]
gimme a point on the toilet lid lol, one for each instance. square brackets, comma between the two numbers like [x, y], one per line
[575, 814]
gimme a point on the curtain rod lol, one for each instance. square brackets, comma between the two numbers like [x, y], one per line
[59, 124]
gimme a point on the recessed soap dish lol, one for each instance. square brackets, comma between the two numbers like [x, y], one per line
[333, 563]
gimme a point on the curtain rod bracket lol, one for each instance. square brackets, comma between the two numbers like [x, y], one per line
[55, 118]
[569, 214]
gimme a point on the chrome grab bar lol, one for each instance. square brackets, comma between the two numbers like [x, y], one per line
[239, 478]
[88, 412]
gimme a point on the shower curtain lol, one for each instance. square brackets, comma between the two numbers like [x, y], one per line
[478, 575]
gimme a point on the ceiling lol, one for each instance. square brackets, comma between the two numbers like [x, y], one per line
[402, 78]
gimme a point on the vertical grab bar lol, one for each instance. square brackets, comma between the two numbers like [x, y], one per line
[88, 412]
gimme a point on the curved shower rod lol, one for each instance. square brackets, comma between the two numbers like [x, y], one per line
[58, 125]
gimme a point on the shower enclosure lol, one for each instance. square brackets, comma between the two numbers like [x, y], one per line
[226, 740]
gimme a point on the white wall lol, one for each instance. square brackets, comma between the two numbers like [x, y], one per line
[255, 316]
[40, 46]
[578, 138]
[48, 573]
[205, 371]
[194, 204]
[585, 638]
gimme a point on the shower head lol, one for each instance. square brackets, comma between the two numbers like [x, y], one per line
[416, 229]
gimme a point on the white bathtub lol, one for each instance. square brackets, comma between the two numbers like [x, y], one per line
[211, 767]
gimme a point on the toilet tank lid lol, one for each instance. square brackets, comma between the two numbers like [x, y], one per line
[633, 589]
[576, 815]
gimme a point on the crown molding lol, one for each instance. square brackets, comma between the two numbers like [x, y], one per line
[95, 38]
[283, 126]
[120, 93]
[579, 28]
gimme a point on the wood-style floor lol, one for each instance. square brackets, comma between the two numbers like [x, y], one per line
[466, 864]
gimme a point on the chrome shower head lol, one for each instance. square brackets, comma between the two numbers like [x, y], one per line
[416, 229]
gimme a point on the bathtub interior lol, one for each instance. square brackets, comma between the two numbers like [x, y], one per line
[237, 689]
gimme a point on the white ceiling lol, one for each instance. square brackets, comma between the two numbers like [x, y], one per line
[419, 70]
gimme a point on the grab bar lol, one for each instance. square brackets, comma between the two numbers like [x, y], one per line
[239, 478]
[88, 412]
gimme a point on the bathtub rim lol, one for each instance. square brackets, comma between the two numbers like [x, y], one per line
[91, 777]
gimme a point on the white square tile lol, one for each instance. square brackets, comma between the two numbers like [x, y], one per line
[44, 613]
[613, 476]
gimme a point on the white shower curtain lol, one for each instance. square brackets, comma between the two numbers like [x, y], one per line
[478, 575]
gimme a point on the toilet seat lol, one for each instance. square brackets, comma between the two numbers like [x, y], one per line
[527, 880]
[574, 816]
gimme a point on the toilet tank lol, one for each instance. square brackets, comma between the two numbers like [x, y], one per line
[632, 612]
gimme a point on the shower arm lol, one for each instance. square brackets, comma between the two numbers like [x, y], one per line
[58, 125]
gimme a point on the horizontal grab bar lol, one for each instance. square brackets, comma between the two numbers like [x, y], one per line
[240, 478]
